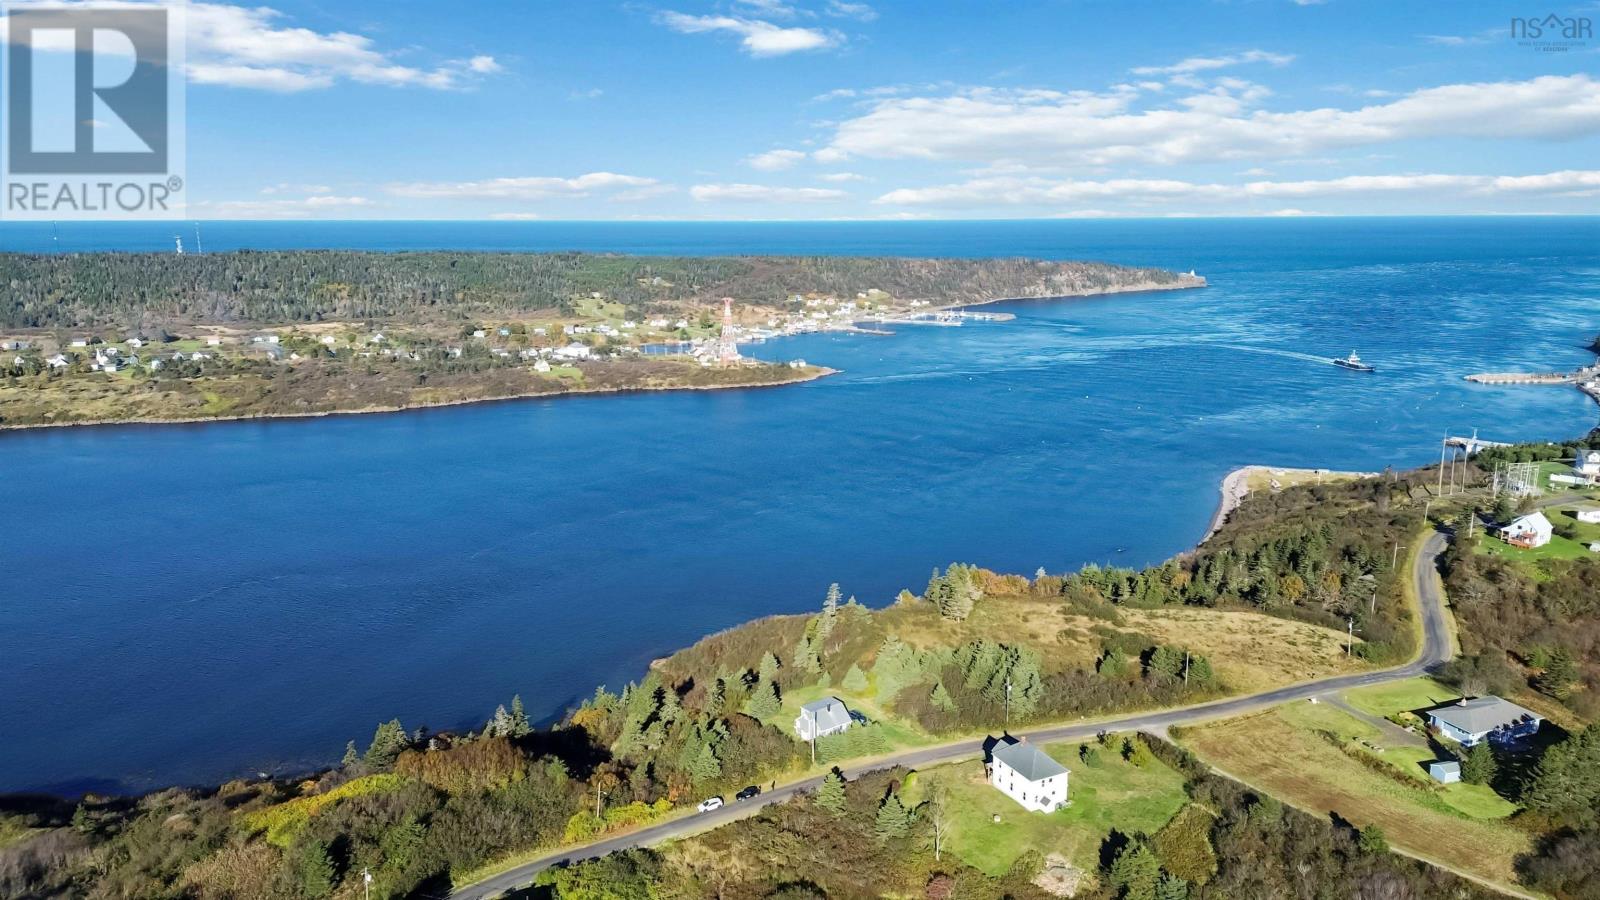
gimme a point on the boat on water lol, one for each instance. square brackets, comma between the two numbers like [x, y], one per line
[1353, 363]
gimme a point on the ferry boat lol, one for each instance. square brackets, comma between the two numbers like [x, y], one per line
[1353, 363]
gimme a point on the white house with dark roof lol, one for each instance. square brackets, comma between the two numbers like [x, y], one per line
[1029, 776]
[1484, 718]
[820, 718]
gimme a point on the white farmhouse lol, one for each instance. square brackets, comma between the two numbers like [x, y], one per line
[1532, 530]
[1029, 776]
[573, 351]
[820, 718]
[1587, 463]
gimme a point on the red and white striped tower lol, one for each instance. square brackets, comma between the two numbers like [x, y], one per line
[727, 348]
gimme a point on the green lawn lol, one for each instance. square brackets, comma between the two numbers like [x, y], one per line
[1110, 795]
[1558, 548]
[1401, 696]
[1582, 532]
[899, 733]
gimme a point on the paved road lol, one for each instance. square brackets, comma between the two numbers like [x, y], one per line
[1436, 649]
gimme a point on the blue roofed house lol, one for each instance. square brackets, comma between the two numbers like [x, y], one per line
[1484, 718]
[1029, 776]
[820, 718]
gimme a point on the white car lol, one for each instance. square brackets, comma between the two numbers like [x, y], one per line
[710, 803]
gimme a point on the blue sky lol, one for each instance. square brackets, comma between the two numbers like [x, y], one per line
[820, 109]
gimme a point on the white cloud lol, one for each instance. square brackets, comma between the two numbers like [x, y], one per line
[251, 47]
[858, 11]
[1206, 63]
[775, 160]
[760, 193]
[515, 216]
[841, 177]
[757, 37]
[324, 206]
[523, 188]
[769, 7]
[1082, 128]
[1148, 192]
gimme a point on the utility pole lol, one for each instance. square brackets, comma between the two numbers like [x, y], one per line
[1372, 610]
[1442, 446]
[597, 795]
[1186, 667]
[1008, 703]
[1350, 637]
[1395, 559]
[813, 737]
[366, 874]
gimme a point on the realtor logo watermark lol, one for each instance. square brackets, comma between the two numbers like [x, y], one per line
[93, 116]
[1552, 33]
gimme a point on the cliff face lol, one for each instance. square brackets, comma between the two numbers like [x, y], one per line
[88, 290]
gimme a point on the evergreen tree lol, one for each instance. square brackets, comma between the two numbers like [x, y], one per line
[805, 656]
[1558, 675]
[717, 698]
[351, 757]
[893, 820]
[769, 667]
[499, 725]
[704, 764]
[387, 742]
[1136, 871]
[1171, 887]
[519, 718]
[830, 614]
[941, 698]
[1372, 840]
[1166, 661]
[1566, 782]
[764, 702]
[313, 870]
[830, 794]
[1479, 765]
[1200, 671]
[855, 680]
[1113, 665]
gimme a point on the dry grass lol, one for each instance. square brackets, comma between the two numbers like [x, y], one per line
[1271, 751]
[1250, 651]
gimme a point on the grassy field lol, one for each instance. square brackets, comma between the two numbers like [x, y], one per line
[1250, 651]
[1401, 696]
[1261, 478]
[1321, 759]
[1558, 548]
[1110, 794]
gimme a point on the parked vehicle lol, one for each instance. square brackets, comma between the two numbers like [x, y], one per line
[747, 793]
[710, 803]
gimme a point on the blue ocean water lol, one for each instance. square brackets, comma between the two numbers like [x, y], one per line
[187, 603]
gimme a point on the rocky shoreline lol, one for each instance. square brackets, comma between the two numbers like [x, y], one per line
[810, 373]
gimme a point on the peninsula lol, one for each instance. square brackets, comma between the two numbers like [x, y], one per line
[304, 333]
